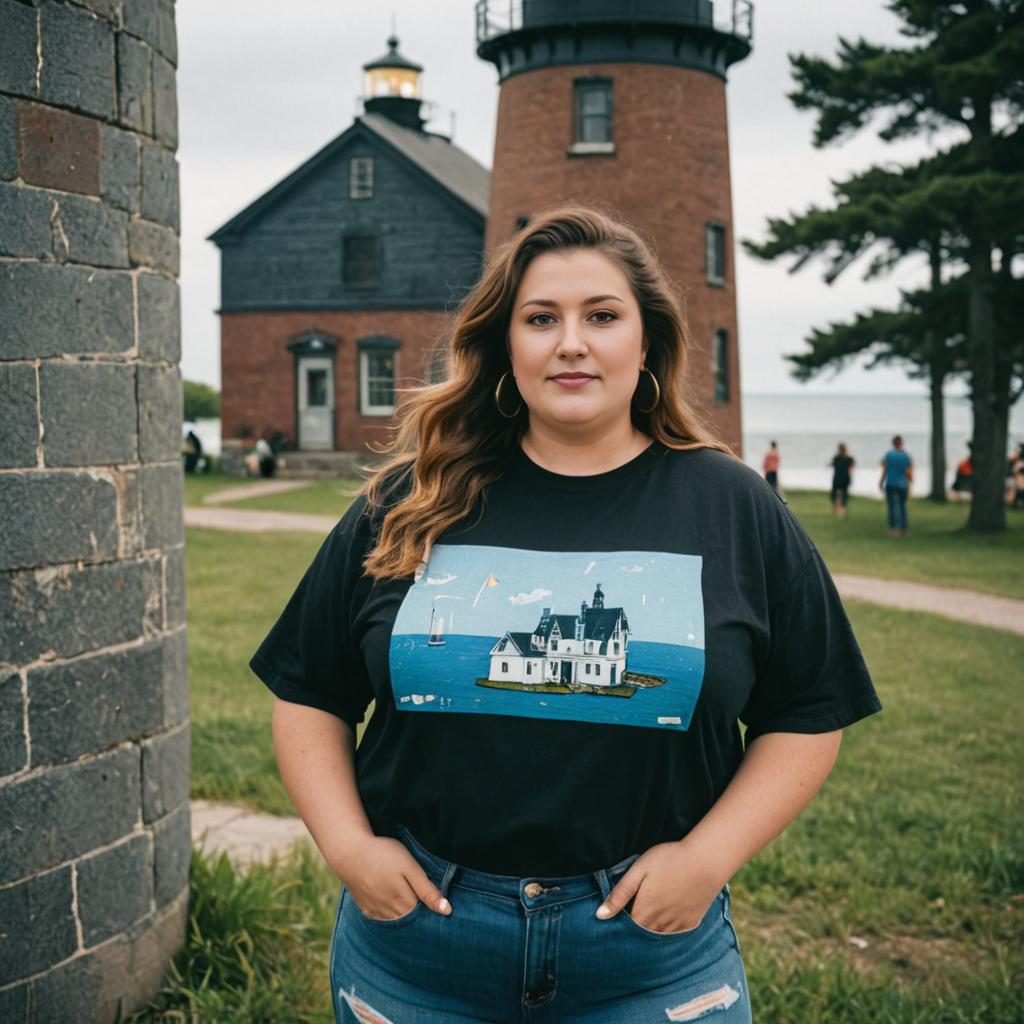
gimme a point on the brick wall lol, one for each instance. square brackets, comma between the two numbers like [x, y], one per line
[668, 177]
[258, 369]
[94, 734]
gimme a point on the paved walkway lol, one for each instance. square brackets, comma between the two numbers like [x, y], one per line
[256, 521]
[950, 602]
[244, 835]
[257, 489]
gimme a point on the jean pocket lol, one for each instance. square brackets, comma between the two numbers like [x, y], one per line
[387, 922]
[686, 933]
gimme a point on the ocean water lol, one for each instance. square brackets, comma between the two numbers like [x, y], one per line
[809, 427]
[452, 671]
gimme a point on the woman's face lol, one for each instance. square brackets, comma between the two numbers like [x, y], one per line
[575, 314]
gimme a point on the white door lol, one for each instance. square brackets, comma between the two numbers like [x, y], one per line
[316, 403]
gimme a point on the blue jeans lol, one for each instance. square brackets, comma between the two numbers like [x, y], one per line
[896, 503]
[517, 950]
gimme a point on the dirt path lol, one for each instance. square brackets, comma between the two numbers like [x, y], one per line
[257, 489]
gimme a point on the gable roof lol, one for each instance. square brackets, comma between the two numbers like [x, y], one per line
[447, 168]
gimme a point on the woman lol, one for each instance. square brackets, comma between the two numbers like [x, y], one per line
[842, 477]
[563, 596]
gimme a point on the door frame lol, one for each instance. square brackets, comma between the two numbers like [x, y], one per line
[314, 343]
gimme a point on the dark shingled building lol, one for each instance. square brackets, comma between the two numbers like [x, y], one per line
[335, 283]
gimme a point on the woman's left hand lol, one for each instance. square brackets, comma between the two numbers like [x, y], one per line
[672, 890]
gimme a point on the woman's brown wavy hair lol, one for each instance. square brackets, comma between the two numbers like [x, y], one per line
[451, 441]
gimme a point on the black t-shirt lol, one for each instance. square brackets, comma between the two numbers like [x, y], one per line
[841, 470]
[563, 685]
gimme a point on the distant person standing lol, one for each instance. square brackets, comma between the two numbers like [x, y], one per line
[964, 480]
[842, 476]
[772, 461]
[897, 474]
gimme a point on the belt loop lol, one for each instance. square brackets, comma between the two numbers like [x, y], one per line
[602, 882]
[449, 874]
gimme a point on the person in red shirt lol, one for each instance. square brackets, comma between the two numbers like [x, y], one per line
[772, 460]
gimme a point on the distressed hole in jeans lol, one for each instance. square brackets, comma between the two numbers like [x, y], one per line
[363, 1012]
[720, 999]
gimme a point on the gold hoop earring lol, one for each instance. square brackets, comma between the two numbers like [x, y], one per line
[497, 399]
[657, 392]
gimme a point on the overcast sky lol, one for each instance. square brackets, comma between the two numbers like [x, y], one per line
[263, 85]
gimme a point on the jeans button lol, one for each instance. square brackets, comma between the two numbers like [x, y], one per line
[533, 890]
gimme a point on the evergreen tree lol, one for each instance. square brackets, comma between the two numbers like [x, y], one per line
[962, 70]
[926, 333]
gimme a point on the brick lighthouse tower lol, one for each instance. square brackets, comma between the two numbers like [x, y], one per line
[622, 103]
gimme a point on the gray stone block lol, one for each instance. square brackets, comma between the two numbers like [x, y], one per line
[78, 61]
[159, 319]
[25, 220]
[37, 926]
[134, 83]
[153, 20]
[15, 1002]
[174, 588]
[68, 811]
[13, 753]
[93, 703]
[160, 406]
[8, 139]
[152, 245]
[160, 185]
[17, 48]
[172, 851]
[50, 310]
[112, 979]
[165, 102]
[175, 678]
[120, 173]
[166, 773]
[89, 413]
[84, 608]
[163, 503]
[89, 231]
[168, 45]
[115, 888]
[56, 517]
[108, 9]
[20, 431]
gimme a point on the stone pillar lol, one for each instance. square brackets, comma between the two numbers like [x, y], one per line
[94, 732]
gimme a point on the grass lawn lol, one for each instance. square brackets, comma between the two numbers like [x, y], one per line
[937, 549]
[914, 845]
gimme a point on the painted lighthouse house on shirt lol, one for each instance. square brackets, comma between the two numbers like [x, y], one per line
[510, 657]
[574, 651]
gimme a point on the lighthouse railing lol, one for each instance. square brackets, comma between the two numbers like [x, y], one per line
[499, 17]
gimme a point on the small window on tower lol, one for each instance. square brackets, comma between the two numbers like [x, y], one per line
[360, 177]
[593, 101]
[715, 243]
[359, 268]
[720, 364]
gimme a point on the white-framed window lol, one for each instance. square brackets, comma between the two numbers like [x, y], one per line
[720, 364]
[593, 98]
[504, 666]
[360, 177]
[377, 381]
[714, 239]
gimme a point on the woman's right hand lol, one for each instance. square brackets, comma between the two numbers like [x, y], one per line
[386, 880]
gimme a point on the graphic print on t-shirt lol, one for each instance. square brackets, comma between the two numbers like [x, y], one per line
[592, 636]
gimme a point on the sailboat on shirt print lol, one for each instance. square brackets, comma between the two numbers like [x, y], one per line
[614, 637]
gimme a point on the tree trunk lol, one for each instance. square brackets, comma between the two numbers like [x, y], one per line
[937, 379]
[988, 454]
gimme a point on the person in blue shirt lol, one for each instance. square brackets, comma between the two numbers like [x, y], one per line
[897, 474]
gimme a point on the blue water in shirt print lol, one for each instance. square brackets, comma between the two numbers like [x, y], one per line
[591, 636]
